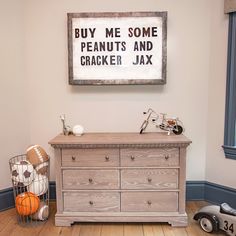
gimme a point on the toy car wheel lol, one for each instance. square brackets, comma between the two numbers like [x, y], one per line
[206, 224]
[178, 129]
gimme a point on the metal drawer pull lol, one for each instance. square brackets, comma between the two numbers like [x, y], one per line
[107, 158]
[149, 180]
[132, 158]
[73, 158]
[167, 157]
[91, 203]
[90, 180]
[149, 202]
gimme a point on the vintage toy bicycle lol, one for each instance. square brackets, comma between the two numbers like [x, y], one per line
[151, 116]
[168, 124]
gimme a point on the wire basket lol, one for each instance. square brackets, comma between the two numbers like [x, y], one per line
[31, 189]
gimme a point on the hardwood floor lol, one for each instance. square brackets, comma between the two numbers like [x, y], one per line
[10, 227]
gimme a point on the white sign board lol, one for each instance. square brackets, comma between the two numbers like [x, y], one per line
[117, 48]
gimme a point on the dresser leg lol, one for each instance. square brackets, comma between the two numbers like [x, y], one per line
[179, 222]
[59, 221]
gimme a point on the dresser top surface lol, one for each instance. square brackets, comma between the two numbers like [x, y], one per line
[119, 139]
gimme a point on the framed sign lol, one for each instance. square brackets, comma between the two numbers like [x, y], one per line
[117, 48]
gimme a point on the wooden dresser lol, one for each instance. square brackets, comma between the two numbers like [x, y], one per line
[120, 177]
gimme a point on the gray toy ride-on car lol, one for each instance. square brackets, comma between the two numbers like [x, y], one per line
[213, 218]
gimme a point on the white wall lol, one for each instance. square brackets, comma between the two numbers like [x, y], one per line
[14, 127]
[218, 169]
[119, 108]
[191, 62]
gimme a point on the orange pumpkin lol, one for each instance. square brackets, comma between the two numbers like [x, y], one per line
[27, 203]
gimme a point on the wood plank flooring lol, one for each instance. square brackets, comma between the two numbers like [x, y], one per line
[10, 227]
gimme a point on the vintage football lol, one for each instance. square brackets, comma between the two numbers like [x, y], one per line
[42, 168]
[42, 212]
[35, 155]
[22, 173]
[39, 185]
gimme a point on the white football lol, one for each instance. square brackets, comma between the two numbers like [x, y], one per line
[22, 173]
[42, 168]
[39, 185]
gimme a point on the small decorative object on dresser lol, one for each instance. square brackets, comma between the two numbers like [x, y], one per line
[169, 124]
[151, 116]
[65, 128]
[120, 177]
[78, 130]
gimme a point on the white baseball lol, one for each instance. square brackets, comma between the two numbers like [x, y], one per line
[78, 130]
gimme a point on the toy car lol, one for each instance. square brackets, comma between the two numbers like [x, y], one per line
[213, 218]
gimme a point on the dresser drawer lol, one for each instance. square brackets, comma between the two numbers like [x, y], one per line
[91, 201]
[90, 179]
[149, 179]
[149, 157]
[90, 157]
[149, 201]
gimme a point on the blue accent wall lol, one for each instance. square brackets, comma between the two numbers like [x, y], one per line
[216, 193]
[6, 199]
[195, 190]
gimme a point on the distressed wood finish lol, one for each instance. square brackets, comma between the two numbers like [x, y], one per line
[149, 157]
[58, 181]
[119, 140]
[90, 157]
[182, 177]
[146, 201]
[89, 202]
[121, 177]
[149, 178]
[230, 6]
[91, 179]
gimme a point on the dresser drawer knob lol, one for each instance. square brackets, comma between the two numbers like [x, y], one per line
[73, 158]
[132, 158]
[90, 180]
[149, 202]
[149, 180]
[167, 157]
[107, 158]
[91, 203]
